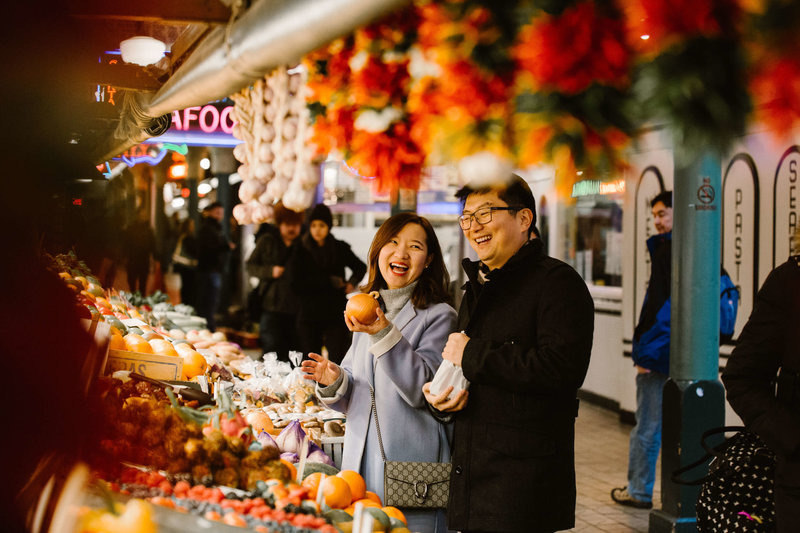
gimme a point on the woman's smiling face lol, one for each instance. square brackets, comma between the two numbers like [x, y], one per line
[402, 259]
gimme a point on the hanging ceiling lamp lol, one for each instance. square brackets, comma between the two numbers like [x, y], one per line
[142, 50]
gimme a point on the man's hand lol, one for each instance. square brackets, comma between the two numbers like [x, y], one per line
[442, 403]
[356, 326]
[277, 271]
[454, 349]
[320, 369]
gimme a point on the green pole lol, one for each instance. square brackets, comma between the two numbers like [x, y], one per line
[694, 399]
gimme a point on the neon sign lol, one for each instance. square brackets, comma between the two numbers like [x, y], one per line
[208, 119]
[590, 187]
[142, 154]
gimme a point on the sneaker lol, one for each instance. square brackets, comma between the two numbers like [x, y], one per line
[622, 497]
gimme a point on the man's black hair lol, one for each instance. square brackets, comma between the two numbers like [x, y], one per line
[663, 197]
[515, 192]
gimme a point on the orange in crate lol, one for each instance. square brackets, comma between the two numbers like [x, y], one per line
[136, 343]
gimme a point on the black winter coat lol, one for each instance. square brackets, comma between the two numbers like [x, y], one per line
[769, 342]
[212, 246]
[530, 329]
[276, 293]
[318, 278]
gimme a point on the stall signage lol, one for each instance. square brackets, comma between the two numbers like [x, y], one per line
[151, 365]
[208, 119]
[592, 187]
[787, 204]
[740, 222]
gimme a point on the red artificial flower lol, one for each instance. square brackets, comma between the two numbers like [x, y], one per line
[776, 90]
[380, 83]
[571, 51]
[390, 157]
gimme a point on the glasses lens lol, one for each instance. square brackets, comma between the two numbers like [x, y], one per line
[464, 220]
[483, 216]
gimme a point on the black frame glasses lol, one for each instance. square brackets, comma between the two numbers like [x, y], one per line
[483, 215]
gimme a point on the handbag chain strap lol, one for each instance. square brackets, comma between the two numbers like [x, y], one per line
[377, 425]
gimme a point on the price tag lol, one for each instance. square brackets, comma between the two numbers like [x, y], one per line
[130, 322]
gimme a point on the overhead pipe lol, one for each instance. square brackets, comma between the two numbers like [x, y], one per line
[270, 33]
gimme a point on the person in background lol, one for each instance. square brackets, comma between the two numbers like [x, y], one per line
[212, 251]
[526, 322]
[268, 262]
[141, 248]
[650, 354]
[394, 356]
[184, 260]
[767, 354]
[318, 278]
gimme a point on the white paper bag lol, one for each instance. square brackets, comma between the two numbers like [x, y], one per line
[449, 375]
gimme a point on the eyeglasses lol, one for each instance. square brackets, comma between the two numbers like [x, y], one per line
[483, 215]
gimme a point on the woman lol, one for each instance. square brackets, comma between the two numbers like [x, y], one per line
[318, 278]
[396, 354]
[768, 353]
[277, 330]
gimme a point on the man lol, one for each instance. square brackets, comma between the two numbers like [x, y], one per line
[141, 249]
[526, 324]
[651, 356]
[212, 250]
[268, 262]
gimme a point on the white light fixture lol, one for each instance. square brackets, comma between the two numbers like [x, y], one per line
[205, 163]
[177, 203]
[203, 189]
[142, 50]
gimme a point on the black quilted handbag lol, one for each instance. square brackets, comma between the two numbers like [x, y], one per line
[412, 484]
[737, 494]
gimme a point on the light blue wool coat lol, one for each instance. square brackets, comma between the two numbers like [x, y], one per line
[396, 366]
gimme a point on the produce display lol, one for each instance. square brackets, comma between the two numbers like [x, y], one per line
[232, 458]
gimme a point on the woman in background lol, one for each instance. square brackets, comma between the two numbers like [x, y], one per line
[394, 356]
[319, 279]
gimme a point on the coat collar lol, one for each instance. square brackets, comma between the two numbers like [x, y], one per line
[405, 315]
[532, 250]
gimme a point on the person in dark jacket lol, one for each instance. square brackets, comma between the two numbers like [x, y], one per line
[141, 250]
[650, 354]
[212, 250]
[526, 324]
[319, 279]
[768, 352]
[268, 262]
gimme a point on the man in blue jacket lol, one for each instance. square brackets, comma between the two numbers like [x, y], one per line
[651, 357]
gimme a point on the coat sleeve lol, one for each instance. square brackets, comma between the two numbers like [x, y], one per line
[410, 367]
[340, 401]
[751, 370]
[263, 258]
[559, 358]
[356, 265]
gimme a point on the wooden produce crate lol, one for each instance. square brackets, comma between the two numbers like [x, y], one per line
[165, 367]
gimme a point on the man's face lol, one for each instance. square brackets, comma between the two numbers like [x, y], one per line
[662, 215]
[500, 238]
[289, 231]
[217, 213]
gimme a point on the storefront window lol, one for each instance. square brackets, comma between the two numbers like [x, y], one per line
[598, 239]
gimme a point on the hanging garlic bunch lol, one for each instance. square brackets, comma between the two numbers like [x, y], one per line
[276, 161]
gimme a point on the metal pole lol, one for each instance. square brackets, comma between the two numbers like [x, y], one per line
[693, 396]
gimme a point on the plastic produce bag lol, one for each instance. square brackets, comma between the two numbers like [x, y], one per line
[449, 375]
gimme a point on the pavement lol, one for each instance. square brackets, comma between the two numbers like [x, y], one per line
[601, 464]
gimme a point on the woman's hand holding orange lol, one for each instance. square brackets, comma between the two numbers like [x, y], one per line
[321, 370]
[356, 326]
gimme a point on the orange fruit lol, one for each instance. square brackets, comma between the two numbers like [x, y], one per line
[194, 364]
[136, 343]
[292, 469]
[374, 497]
[164, 347]
[358, 487]
[117, 343]
[336, 492]
[366, 502]
[311, 483]
[394, 512]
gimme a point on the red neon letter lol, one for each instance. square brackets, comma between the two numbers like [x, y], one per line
[214, 116]
[188, 116]
[176, 120]
[226, 120]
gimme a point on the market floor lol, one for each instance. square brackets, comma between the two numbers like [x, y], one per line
[601, 463]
